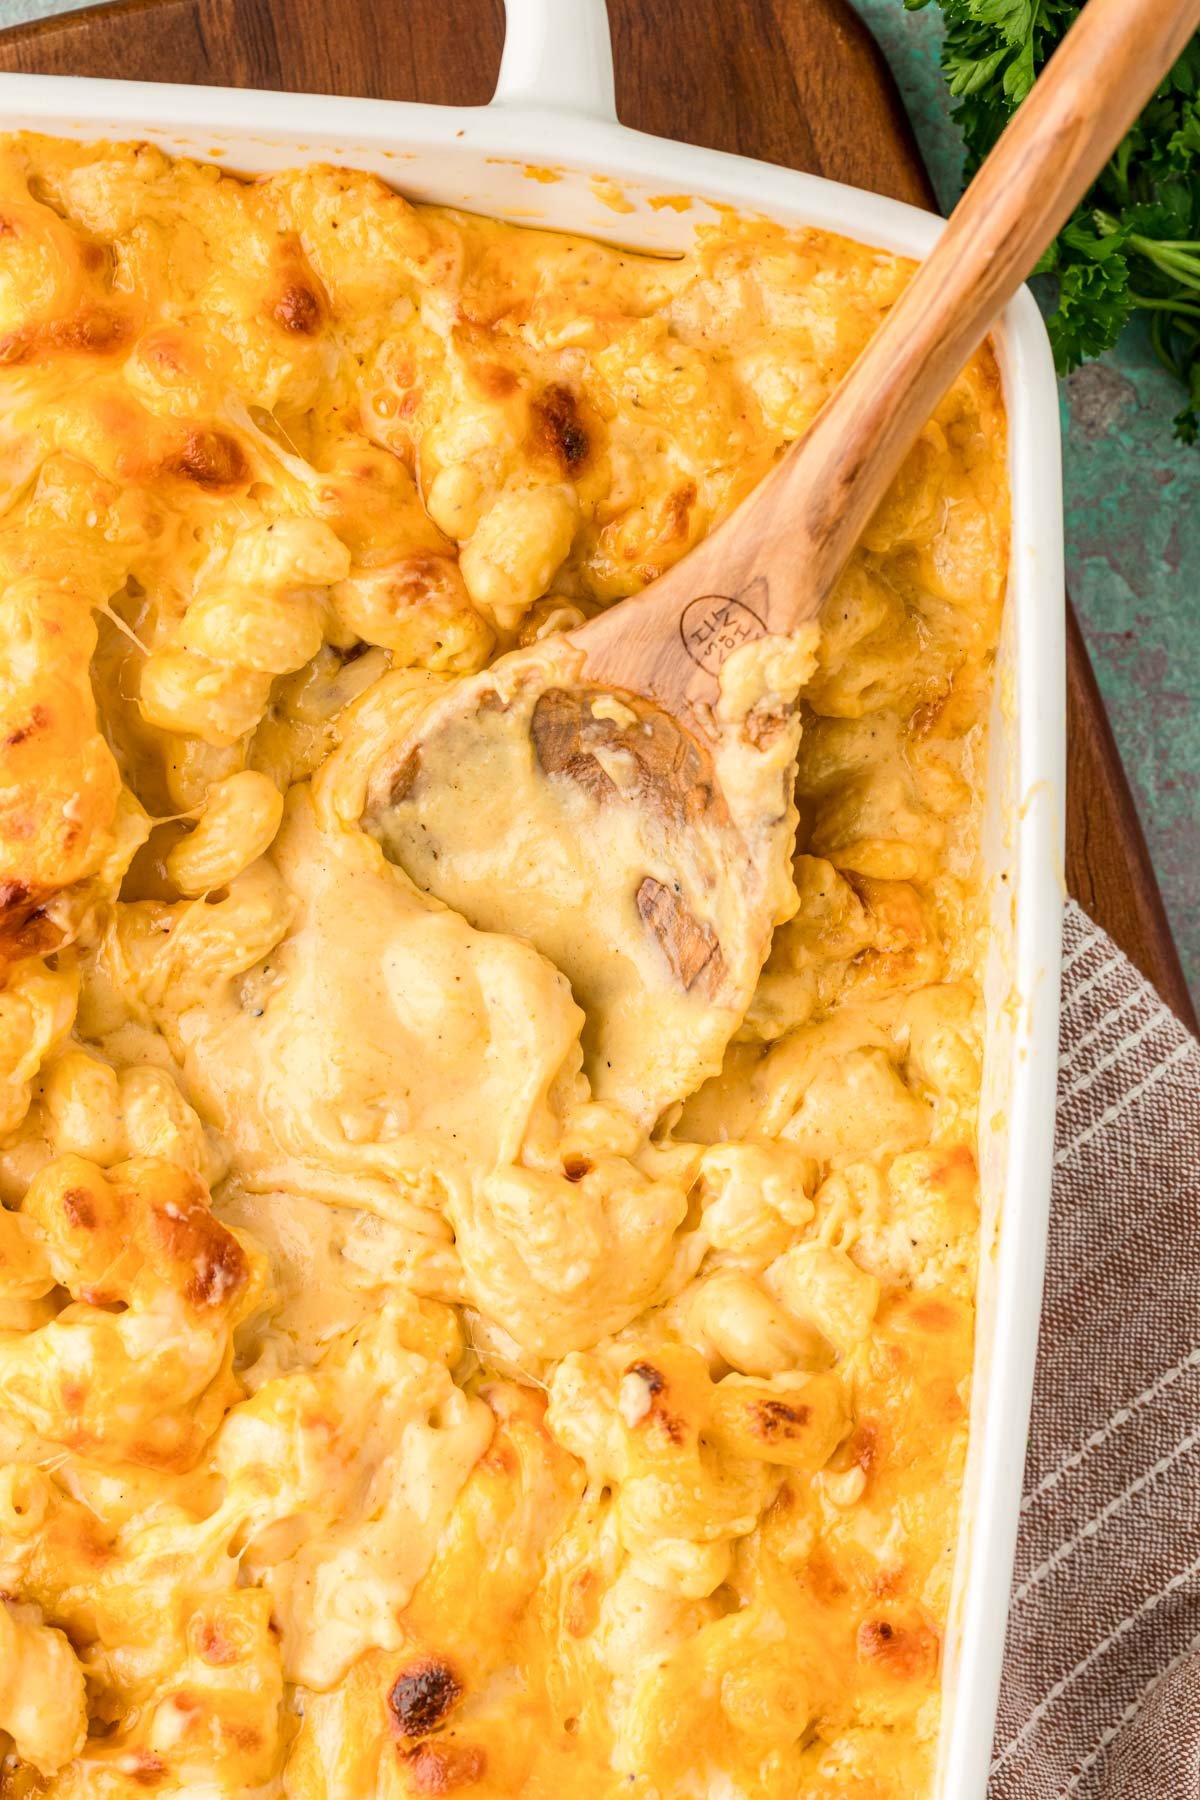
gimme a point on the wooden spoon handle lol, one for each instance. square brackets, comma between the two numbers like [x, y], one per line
[819, 500]
[769, 566]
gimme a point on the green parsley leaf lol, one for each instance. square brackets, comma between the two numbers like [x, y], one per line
[1093, 309]
[1134, 244]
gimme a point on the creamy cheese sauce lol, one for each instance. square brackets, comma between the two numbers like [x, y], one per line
[635, 862]
[446, 1345]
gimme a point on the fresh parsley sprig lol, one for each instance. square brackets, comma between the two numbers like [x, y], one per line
[1134, 243]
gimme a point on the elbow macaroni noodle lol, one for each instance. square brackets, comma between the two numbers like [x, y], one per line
[387, 1408]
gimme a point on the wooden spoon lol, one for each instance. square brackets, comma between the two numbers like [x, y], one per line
[703, 843]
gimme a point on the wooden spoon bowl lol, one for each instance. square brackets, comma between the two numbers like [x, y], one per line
[602, 829]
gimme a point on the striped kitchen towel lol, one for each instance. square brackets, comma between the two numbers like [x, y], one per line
[1101, 1691]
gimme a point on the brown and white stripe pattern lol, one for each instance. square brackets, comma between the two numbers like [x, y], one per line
[1101, 1692]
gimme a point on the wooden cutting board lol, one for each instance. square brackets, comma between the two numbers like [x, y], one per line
[798, 82]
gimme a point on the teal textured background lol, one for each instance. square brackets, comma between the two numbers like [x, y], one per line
[1132, 515]
[19, 12]
[1132, 527]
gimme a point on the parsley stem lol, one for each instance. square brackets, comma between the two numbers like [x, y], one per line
[1171, 305]
[1162, 349]
[1185, 267]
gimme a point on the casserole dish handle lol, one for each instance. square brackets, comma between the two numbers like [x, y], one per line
[557, 58]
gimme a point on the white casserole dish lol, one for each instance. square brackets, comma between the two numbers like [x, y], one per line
[554, 106]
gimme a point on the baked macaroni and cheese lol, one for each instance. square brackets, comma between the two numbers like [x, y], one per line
[394, 1399]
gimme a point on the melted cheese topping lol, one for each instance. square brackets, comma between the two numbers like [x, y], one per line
[394, 1400]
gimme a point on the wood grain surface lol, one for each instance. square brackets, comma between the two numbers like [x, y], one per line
[798, 82]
